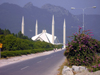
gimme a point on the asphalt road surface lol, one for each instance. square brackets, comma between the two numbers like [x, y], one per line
[44, 65]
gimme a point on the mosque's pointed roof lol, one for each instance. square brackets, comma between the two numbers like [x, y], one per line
[44, 36]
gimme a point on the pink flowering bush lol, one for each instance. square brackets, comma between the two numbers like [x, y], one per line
[82, 49]
[95, 66]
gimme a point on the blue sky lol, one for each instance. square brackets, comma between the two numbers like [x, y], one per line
[67, 4]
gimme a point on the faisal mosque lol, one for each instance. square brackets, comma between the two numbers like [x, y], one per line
[44, 36]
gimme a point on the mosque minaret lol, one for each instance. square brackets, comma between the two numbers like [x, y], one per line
[44, 36]
[36, 28]
[23, 25]
[64, 34]
[53, 29]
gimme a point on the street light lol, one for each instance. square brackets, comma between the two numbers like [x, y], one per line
[83, 12]
[94, 7]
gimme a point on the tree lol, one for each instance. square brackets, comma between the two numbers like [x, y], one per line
[20, 35]
[2, 38]
[1, 31]
[6, 32]
[9, 42]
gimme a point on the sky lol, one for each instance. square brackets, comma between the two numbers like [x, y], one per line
[67, 4]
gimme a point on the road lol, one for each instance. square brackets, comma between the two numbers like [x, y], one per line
[44, 65]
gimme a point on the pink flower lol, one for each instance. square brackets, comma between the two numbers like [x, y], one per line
[74, 41]
[94, 66]
[83, 45]
[80, 49]
[91, 35]
[83, 61]
[78, 54]
[90, 48]
[87, 36]
[75, 32]
[98, 65]
[80, 27]
[90, 32]
[87, 30]
[77, 59]
[87, 60]
[70, 45]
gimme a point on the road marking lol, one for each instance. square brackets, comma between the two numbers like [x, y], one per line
[47, 58]
[51, 56]
[24, 67]
[38, 61]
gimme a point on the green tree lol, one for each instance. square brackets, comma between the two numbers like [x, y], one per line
[2, 38]
[20, 35]
[6, 32]
[9, 41]
[1, 31]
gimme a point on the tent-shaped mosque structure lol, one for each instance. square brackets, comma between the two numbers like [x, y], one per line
[44, 36]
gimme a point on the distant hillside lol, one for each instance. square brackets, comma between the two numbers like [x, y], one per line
[56, 10]
[11, 16]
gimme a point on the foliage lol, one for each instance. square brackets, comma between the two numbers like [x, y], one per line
[17, 44]
[20, 35]
[39, 44]
[6, 54]
[82, 49]
[5, 32]
[11, 43]
[95, 66]
[1, 31]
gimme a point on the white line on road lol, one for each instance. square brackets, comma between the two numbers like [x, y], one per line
[38, 61]
[47, 58]
[24, 68]
[51, 56]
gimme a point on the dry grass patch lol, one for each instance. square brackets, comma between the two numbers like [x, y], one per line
[61, 67]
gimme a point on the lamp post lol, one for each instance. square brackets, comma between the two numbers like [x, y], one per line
[83, 12]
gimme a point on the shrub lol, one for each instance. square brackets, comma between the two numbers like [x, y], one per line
[6, 54]
[96, 65]
[82, 49]
[14, 53]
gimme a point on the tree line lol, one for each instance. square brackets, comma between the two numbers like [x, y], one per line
[13, 42]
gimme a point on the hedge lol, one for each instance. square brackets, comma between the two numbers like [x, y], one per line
[6, 54]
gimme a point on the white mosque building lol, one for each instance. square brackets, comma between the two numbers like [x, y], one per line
[44, 36]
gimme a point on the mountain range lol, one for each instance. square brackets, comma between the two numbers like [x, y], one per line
[11, 17]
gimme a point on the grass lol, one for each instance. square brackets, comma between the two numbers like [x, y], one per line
[61, 67]
[66, 64]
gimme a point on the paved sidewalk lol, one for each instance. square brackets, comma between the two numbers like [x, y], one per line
[11, 60]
